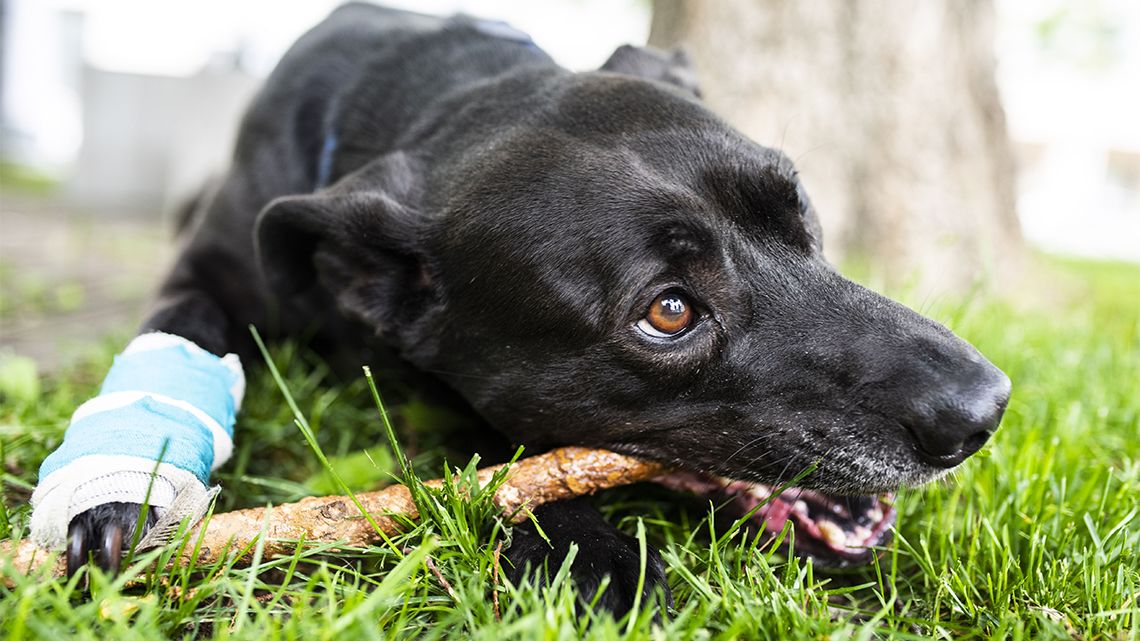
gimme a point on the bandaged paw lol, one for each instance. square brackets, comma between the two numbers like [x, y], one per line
[162, 421]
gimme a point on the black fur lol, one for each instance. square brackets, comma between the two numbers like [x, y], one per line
[602, 551]
[499, 225]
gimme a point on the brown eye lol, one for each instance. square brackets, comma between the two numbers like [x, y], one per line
[669, 314]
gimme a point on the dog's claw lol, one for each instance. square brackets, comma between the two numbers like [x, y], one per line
[112, 551]
[109, 555]
[76, 548]
[97, 535]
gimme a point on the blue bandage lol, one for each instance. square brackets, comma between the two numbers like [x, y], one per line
[171, 435]
[162, 421]
[189, 374]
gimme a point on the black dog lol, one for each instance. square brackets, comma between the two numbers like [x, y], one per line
[586, 258]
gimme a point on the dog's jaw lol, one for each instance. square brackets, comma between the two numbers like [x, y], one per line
[837, 531]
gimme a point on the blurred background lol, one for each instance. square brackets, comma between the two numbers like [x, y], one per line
[945, 143]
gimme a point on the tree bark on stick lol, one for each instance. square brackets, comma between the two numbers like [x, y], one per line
[558, 475]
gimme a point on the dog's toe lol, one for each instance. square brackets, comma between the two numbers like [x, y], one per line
[98, 535]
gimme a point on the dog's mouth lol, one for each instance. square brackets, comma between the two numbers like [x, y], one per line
[838, 531]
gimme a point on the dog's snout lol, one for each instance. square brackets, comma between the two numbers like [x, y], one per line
[957, 415]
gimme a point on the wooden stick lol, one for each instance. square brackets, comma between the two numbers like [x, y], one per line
[558, 475]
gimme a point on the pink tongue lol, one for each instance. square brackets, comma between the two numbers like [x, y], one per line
[776, 514]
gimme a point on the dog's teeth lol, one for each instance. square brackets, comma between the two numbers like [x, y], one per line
[801, 508]
[760, 492]
[875, 514]
[832, 533]
[860, 536]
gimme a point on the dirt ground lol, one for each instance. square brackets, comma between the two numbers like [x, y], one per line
[68, 277]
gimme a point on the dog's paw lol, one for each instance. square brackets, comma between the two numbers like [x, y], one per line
[603, 551]
[99, 535]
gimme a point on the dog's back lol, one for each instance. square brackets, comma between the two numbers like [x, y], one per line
[345, 93]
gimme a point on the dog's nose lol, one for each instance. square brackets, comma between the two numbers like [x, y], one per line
[953, 420]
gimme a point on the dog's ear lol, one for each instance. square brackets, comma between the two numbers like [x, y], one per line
[361, 240]
[672, 67]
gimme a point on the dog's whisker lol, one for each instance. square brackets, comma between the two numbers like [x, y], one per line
[744, 447]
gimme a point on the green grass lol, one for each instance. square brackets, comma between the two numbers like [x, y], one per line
[25, 180]
[1038, 537]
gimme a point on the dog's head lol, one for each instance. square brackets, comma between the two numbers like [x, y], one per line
[614, 266]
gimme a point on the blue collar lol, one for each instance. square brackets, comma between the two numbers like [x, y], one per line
[502, 30]
[325, 161]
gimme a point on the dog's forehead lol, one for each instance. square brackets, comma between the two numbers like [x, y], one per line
[675, 190]
[764, 199]
[620, 179]
[606, 105]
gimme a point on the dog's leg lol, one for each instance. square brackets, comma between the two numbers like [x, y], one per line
[165, 414]
[603, 551]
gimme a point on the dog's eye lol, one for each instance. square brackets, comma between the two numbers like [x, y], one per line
[669, 314]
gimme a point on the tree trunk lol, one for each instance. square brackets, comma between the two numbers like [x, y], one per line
[889, 109]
